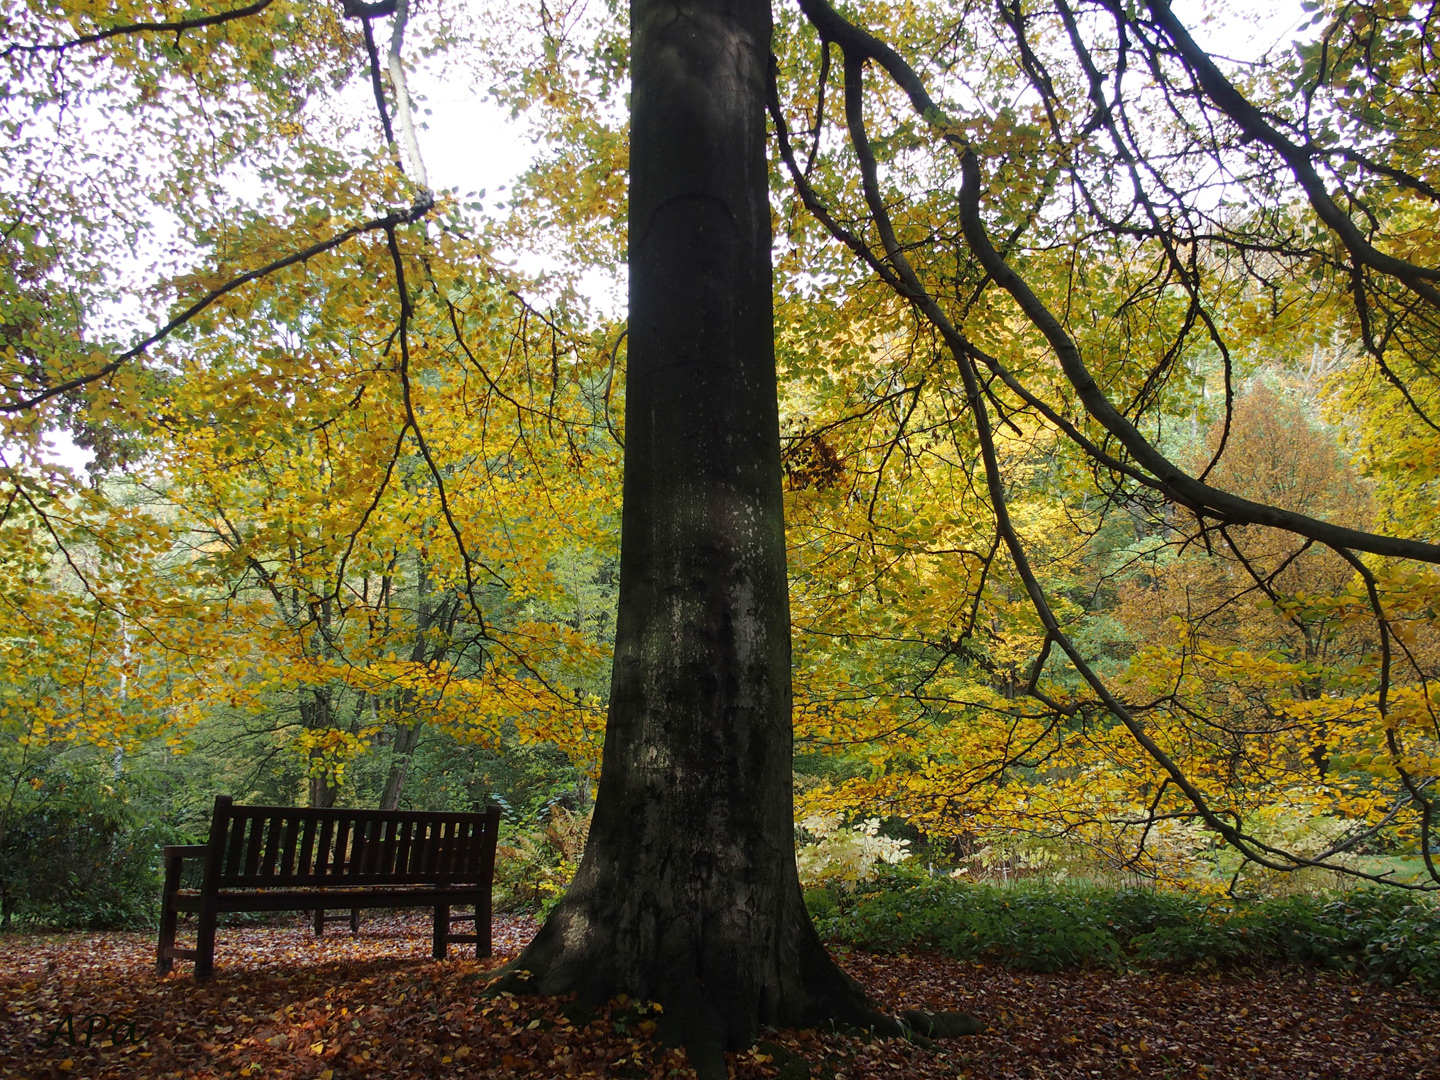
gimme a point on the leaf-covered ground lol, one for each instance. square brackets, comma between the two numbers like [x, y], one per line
[284, 1005]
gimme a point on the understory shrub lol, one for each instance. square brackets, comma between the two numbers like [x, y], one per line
[83, 859]
[534, 866]
[1040, 926]
[837, 857]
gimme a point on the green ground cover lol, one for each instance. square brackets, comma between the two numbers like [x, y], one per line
[1391, 935]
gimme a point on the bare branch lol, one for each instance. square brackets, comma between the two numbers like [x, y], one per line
[358, 9]
[177, 27]
[1253, 123]
[404, 111]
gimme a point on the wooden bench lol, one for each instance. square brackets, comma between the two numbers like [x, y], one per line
[285, 858]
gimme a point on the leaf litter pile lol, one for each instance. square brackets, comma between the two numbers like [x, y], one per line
[282, 1004]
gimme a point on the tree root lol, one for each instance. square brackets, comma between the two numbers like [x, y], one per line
[698, 1027]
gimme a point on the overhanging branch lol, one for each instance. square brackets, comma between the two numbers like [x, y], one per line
[1206, 501]
[177, 27]
[388, 222]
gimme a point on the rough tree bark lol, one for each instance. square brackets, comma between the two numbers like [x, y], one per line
[687, 893]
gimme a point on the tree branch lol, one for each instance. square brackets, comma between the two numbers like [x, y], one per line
[389, 221]
[1201, 498]
[358, 9]
[179, 26]
[403, 110]
[1253, 123]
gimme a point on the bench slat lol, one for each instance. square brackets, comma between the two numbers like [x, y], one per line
[340, 854]
[419, 848]
[270, 857]
[433, 848]
[359, 847]
[308, 826]
[466, 851]
[452, 851]
[452, 848]
[301, 899]
[392, 854]
[468, 876]
[392, 847]
[404, 846]
[374, 851]
[233, 841]
[354, 849]
[322, 849]
[254, 834]
[336, 813]
[286, 863]
[451, 855]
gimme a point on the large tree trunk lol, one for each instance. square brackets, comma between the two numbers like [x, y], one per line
[687, 894]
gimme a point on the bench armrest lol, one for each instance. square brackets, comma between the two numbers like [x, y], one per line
[174, 859]
[185, 851]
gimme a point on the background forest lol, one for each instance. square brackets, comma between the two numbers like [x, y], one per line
[348, 533]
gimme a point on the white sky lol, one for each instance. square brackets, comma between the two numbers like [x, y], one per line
[468, 142]
[1240, 29]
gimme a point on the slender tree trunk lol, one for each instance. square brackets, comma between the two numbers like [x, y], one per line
[426, 651]
[322, 792]
[407, 737]
[688, 894]
[317, 714]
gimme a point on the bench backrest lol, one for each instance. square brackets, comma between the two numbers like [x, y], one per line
[276, 846]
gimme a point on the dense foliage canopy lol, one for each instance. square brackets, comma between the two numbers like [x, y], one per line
[1108, 384]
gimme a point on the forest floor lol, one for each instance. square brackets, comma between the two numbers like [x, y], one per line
[285, 1005]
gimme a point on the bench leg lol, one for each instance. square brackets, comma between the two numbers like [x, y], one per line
[319, 922]
[482, 926]
[205, 942]
[164, 962]
[354, 922]
[441, 941]
[169, 917]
